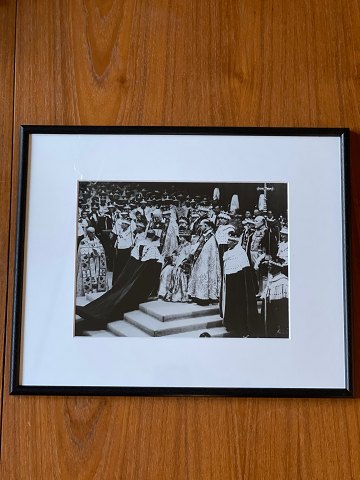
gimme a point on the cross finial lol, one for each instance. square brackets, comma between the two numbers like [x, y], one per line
[265, 189]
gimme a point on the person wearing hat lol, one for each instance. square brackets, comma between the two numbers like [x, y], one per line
[139, 233]
[144, 210]
[105, 219]
[170, 234]
[166, 229]
[148, 250]
[124, 241]
[174, 276]
[275, 303]
[271, 220]
[103, 208]
[194, 222]
[91, 265]
[83, 223]
[183, 223]
[203, 211]
[157, 223]
[214, 213]
[139, 217]
[222, 233]
[183, 210]
[238, 297]
[261, 241]
[283, 249]
[112, 213]
[94, 216]
[248, 228]
[193, 207]
[205, 278]
[139, 278]
[236, 221]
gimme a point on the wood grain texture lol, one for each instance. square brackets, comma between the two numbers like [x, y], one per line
[7, 52]
[188, 62]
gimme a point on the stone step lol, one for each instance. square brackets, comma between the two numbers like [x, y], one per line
[156, 328]
[98, 333]
[81, 301]
[165, 311]
[90, 297]
[215, 332]
[121, 328]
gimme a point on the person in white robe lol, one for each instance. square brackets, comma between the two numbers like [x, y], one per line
[139, 233]
[205, 278]
[172, 234]
[283, 250]
[148, 250]
[174, 276]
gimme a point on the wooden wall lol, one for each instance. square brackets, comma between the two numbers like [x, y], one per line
[175, 62]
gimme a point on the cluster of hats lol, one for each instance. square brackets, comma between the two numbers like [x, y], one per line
[128, 193]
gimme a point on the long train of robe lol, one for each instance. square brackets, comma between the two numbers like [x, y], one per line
[240, 312]
[121, 257]
[133, 286]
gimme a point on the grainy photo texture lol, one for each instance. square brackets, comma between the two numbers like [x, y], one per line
[182, 260]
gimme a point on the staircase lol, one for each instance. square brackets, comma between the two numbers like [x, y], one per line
[162, 319]
[159, 319]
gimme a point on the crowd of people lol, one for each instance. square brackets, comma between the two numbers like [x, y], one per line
[181, 247]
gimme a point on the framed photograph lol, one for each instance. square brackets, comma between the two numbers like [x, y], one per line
[182, 261]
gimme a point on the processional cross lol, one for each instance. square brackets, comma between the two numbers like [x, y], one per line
[264, 189]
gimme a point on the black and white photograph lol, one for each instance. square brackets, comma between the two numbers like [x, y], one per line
[182, 260]
[174, 259]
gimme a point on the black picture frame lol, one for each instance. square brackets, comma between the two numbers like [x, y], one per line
[16, 388]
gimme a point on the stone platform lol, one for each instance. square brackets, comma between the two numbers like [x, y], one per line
[158, 318]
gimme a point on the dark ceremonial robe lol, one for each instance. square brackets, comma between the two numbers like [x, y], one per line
[239, 304]
[276, 315]
[132, 287]
[105, 222]
[122, 248]
[105, 226]
[261, 240]
[94, 221]
[275, 307]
